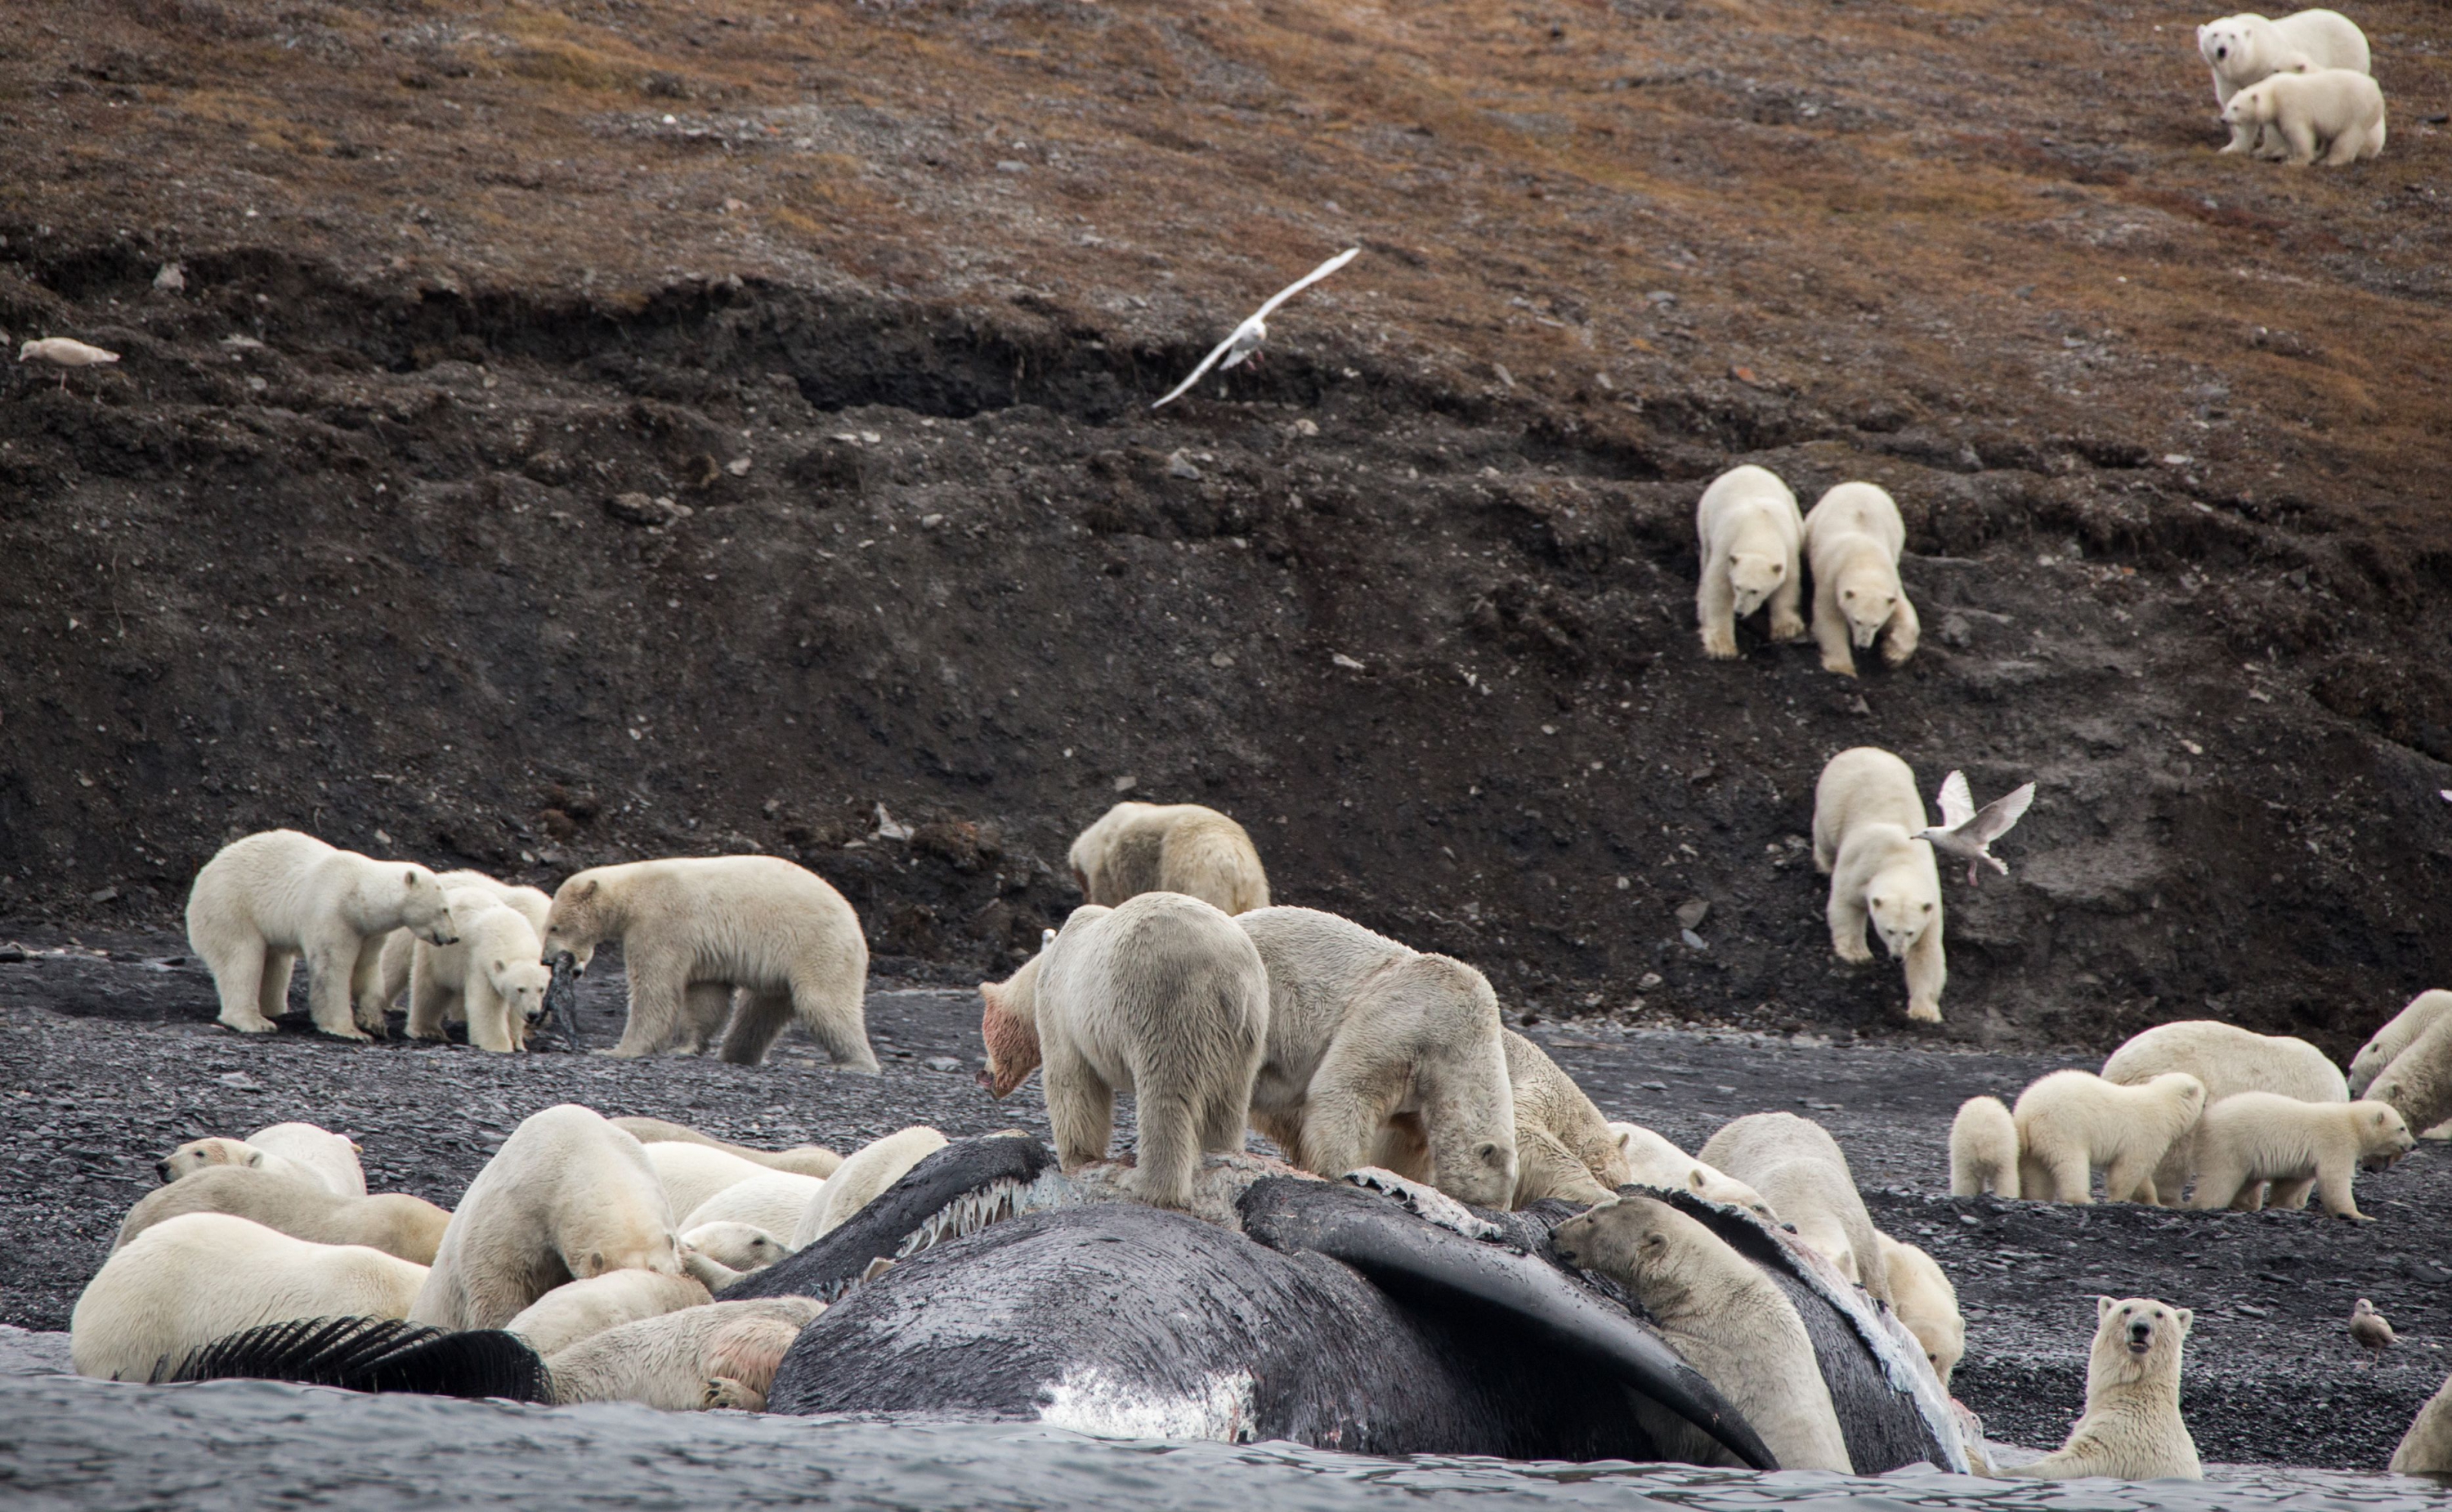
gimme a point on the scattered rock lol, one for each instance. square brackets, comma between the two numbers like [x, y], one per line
[639, 509]
[1691, 912]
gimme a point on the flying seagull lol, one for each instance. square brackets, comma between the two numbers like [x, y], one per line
[1968, 833]
[1247, 336]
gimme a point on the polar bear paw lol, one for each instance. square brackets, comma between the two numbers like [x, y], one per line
[1855, 952]
[1840, 662]
[252, 1024]
[1786, 627]
[1720, 645]
[1925, 1013]
[722, 1391]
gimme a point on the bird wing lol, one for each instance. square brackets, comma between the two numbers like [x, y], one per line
[1307, 281]
[1957, 802]
[2002, 814]
[1206, 364]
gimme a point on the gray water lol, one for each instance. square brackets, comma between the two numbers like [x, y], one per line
[249, 1444]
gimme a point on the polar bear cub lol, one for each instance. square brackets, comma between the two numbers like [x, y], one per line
[693, 928]
[1853, 538]
[1161, 996]
[491, 975]
[869, 1170]
[264, 902]
[2071, 1123]
[1365, 1033]
[400, 947]
[1750, 532]
[1867, 814]
[739, 1247]
[1729, 1320]
[1926, 1302]
[2131, 1429]
[2246, 48]
[1983, 1150]
[2228, 1060]
[578, 1309]
[184, 1282]
[1138, 848]
[2251, 1138]
[1801, 1171]
[1654, 1161]
[2336, 111]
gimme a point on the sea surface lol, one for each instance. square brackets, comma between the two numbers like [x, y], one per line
[251, 1444]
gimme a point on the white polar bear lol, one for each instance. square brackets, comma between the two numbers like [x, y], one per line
[1803, 1173]
[262, 902]
[206, 1155]
[692, 1174]
[1750, 532]
[568, 1197]
[2396, 1036]
[719, 1355]
[693, 928]
[1927, 1303]
[2427, 1448]
[2247, 49]
[2131, 1429]
[805, 1160]
[394, 1223]
[332, 1157]
[1983, 1150]
[490, 976]
[2228, 1060]
[870, 1169]
[777, 1201]
[1853, 538]
[2250, 1138]
[1160, 995]
[400, 947]
[1726, 1318]
[2334, 110]
[2071, 1123]
[580, 1310]
[1364, 1033]
[2418, 1080]
[739, 1247]
[1866, 815]
[1182, 848]
[1563, 1146]
[1657, 1162]
[184, 1282]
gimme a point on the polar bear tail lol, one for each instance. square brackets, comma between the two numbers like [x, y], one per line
[374, 1354]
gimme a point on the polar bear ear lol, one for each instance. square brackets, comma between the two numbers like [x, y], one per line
[254, 1157]
[583, 891]
[2187, 1317]
[1695, 1178]
[408, 877]
[2103, 1307]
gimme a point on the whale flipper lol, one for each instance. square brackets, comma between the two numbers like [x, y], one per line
[373, 1354]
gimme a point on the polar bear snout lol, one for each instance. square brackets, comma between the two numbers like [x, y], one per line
[2141, 1336]
[1754, 578]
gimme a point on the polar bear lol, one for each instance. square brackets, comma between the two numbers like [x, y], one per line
[2334, 110]
[2131, 1429]
[491, 975]
[2228, 1060]
[218, 1151]
[777, 1201]
[2396, 1036]
[262, 902]
[568, 1197]
[332, 1157]
[692, 928]
[1724, 1317]
[805, 1160]
[1867, 814]
[1853, 538]
[2427, 1448]
[1926, 1302]
[1749, 531]
[2250, 1138]
[1364, 1033]
[719, 1355]
[692, 1174]
[1802, 1173]
[1983, 1150]
[187, 1280]
[1169, 848]
[1160, 995]
[2246, 48]
[2071, 1122]
[400, 947]
[737, 1247]
[394, 1223]
[2418, 1080]
[871, 1168]
[579, 1309]
[1563, 1146]
[1657, 1162]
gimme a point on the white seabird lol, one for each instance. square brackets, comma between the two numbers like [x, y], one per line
[1966, 832]
[63, 354]
[1247, 336]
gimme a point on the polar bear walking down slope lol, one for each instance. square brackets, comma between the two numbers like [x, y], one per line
[2246, 48]
[693, 928]
[1138, 848]
[2132, 1429]
[1160, 997]
[1853, 538]
[1867, 814]
[264, 902]
[1749, 531]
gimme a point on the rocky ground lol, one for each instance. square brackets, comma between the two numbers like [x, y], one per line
[113, 1059]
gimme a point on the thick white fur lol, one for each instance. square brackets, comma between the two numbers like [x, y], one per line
[692, 1174]
[2228, 1060]
[1926, 1302]
[2336, 111]
[2418, 1080]
[804, 1160]
[719, 1355]
[568, 1197]
[262, 902]
[2131, 1429]
[580, 1310]
[1364, 1033]
[1654, 1161]
[1563, 1146]
[694, 928]
[1137, 848]
[2250, 1138]
[777, 1201]
[2427, 1448]
[188, 1281]
[1724, 1317]
[2396, 1036]
[1983, 1150]
[736, 1246]
[400, 947]
[492, 977]
[1853, 538]
[394, 1223]
[1750, 532]
[205, 1154]
[1161, 996]
[1802, 1173]
[2245, 48]
[1867, 814]
[332, 1157]
[869, 1170]
[2071, 1122]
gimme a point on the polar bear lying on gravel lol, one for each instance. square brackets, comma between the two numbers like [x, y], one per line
[1853, 538]
[394, 1223]
[238, 1154]
[1866, 815]
[2071, 1122]
[2246, 1140]
[1983, 1150]
[1801, 1171]
[2246, 48]
[2132, 1429]
[1137, 848]
[1750, 532]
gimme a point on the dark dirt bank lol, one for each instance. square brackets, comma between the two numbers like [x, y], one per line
[113, 1060]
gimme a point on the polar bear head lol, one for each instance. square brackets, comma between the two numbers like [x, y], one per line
[2136, 1339]
[736, 1246]
[196, 1154]
[1755, 575]
[1009, 1023]
[2383, 1134]
[585, 912]
[424, 911]
[2239, 48]
[1869, 600]
[2253, 105]
[1903, 905]
[623, 1240]
[1668, 1260]
[522, 985]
